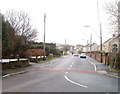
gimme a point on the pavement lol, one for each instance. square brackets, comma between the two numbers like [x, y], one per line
[101, 68]
[105, 69]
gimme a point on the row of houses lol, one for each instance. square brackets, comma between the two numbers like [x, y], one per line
[111, 45]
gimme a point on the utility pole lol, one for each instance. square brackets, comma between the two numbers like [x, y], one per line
[44, 33]
[65, 46]
[65, 41]
[100, 33]
[90, 44]
[119, 27]
[118, 35]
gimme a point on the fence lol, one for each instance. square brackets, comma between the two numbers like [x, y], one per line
[12, 63]
[36, 58]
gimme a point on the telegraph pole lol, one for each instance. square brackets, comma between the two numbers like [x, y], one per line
[100, 33]
[65, 46]
[119, 27]
[90, 44]
[118, 35]
[44, 33]
[65, 41]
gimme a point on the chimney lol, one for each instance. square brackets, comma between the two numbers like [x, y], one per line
[113, 35]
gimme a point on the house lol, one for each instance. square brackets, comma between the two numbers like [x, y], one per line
[64, 47]
[79, 48]
[86, 48]
[114, 43]
[94, 47]
[111, 45]
[106, 45]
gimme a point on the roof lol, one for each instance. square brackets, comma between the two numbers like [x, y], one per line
[107, 40]
[110, 39]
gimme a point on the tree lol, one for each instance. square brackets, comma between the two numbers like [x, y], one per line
[8, 38]
[17, 33]
[111, 8]
[21, 24]
[0, 36]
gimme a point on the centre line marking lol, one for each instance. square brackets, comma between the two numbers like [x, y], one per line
[68, 68]
[75, 82]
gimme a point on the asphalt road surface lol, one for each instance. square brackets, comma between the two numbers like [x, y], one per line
[65, 74]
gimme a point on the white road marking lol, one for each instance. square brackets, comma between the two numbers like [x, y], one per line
[93, 65]
[81, 85]
[66, 72]
[75, 82]
[70, 66]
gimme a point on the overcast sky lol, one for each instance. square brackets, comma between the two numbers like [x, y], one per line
[65, 19]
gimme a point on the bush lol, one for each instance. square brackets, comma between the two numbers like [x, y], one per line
[115, 62]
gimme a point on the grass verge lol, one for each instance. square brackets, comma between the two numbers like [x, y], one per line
[50, 59]
[114, 70]
[46, 60]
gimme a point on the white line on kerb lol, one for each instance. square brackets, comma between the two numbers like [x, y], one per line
[75, 82]
[93, 65]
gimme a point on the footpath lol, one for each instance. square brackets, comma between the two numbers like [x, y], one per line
[104, 69]
[101, 68]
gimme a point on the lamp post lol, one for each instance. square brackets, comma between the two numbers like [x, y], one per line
[90, 39]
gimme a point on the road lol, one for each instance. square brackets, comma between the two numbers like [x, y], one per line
[65, 74]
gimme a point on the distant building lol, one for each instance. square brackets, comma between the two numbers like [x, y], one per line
[65, 48]
[86, 48]
[94, 47]
[79, 48]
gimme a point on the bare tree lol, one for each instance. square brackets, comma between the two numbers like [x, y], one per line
[21, 24]
[19, 33]
[111, 8]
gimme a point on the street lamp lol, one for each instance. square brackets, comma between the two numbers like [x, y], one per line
[98, 36]
[90, 39]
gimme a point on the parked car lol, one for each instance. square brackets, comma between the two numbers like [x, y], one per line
[82, 55]
[76, 54]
